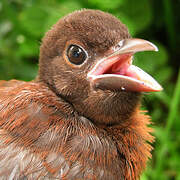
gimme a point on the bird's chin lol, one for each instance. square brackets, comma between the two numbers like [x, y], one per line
[116, 72]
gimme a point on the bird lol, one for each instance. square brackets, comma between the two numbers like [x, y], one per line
[81, 117]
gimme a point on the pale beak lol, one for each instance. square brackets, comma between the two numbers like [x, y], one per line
[116, 72]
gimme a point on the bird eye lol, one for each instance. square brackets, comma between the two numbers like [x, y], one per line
[76, 55]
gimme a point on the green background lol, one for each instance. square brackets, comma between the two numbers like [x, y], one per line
[24, 22]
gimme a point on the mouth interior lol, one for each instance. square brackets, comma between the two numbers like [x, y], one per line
[118, 71]
[122, 67]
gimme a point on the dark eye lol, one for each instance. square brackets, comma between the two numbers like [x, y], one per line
[76, 55]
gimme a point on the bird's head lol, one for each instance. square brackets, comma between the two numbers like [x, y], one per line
[86, 58]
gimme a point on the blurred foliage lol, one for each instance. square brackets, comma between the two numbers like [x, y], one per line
[23, 24]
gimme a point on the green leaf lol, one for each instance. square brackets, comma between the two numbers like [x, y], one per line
[106, 4]
[28, 47]
[33, 20]
[136, 14]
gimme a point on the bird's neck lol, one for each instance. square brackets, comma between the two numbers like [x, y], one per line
[128, 131]
[121, 118]
[132, 140]
[107, 108]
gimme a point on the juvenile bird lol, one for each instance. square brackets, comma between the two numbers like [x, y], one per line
[80, 118]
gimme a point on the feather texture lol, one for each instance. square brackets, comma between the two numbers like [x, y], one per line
[42, 136]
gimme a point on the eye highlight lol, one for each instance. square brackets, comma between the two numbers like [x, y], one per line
[76, 55]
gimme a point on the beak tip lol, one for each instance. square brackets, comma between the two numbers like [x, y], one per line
[160, 88]
[155, 48]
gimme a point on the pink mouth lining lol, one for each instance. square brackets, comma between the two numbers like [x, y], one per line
[118, 71]
[118, 65]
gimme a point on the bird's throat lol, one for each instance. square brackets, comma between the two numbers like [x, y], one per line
[125, 124]
[106, 108]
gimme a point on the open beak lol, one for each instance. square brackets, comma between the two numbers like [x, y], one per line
[116, 71]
